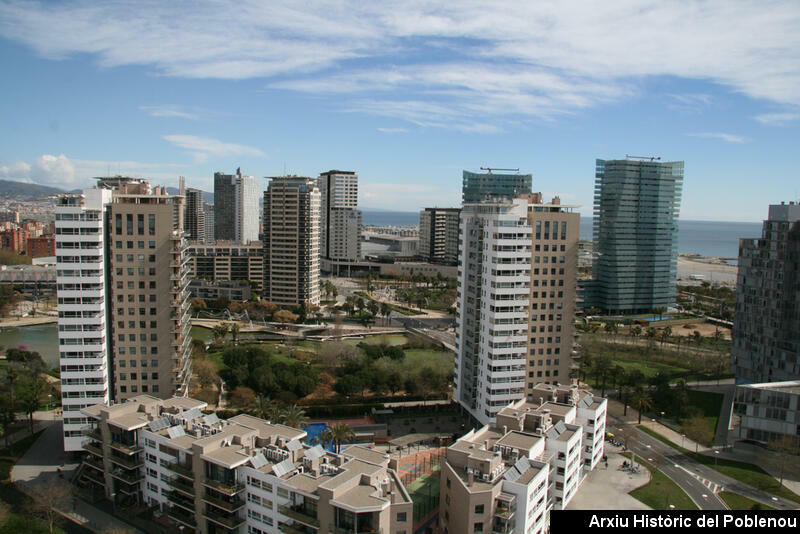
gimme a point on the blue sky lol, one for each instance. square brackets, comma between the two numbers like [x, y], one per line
[407, 95]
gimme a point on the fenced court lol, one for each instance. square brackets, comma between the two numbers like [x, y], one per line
[420, 474]
[412, 467]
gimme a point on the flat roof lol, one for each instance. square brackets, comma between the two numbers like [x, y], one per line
[519, 440]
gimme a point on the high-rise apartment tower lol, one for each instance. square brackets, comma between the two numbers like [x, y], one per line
[515, 306]
[438, 235]
[235, 207]
[636, 208]
[766, 324]
[291, 241]
[340, 220]
[478, 187]
[194, 216]
[131, 296]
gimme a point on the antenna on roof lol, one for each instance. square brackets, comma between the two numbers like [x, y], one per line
[490, 169]
[643, 158]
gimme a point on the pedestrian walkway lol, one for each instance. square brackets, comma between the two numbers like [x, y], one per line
[46, 464]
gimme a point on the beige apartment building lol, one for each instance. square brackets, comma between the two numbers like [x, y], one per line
[517, 282]
[291, 241]
[150, 298]
[225, 261]
[243, 474]
[507, 477]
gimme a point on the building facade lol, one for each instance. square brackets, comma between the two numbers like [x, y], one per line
[340, 220]
[242, 474]
[291, 241]
[766, 326]
[225, 261]
[507, 477]
[636, 209]
[41, 247]
[516, 300]
[194, 216]
[131, 297]
[479, 187]
[208, 222]
[438, 235]
[769, 412]
[236, 212]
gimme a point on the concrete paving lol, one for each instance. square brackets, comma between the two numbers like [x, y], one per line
[607, 488]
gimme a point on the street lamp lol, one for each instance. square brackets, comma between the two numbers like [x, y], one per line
[716, 455]
[683, 438]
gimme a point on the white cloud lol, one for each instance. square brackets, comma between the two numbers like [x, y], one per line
[778, 118]
[204, 147]
[728, 138]
[393, 130]
[473, 59]
[19, 170]
[167, 111]
[406, 196]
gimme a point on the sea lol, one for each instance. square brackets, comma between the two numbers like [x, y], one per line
[706, 238]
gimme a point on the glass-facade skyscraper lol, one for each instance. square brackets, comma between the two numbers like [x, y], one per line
[636, 208]
[490, 186]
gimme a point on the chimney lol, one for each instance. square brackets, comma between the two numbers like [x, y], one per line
[486, 444]
[556, 201]
[470, 478]
[505, 430]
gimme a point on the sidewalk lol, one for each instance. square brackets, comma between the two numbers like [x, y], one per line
[45, 463]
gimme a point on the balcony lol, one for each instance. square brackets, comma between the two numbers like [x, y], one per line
[182, 486]
[182, 468]
[299, 513]
[504, 513]
[226, 520]
[126, 476]
[293, 529]
[126, 449]
[93, 448]
[134, 462]
[95, 477]
[92, 432]
[181, 516]
[229, 506]
[224, 487]
[94, 463]
[181, 500]
[342, 530]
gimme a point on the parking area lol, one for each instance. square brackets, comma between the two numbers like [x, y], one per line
[607, 488]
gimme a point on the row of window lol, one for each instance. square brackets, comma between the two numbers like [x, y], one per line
[129, 226]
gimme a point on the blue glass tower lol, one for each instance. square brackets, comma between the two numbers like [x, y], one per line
[636, 208]
[480, 187]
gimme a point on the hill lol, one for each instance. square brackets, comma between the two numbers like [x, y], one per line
[25, 191]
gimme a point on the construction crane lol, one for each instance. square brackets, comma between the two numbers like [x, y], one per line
[644, 158]
[490, 169]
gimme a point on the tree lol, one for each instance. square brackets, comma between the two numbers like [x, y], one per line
[7, 416]
[198, 347]
[293, 416]
[284, 316]
[29, 393]
[198, 305]
[642, 402]
[394, 382]
[264, 408]
[601, 367]
[349, 385]
[787, 449]
[697, 430]
[206, 372]
[242, 397]
[235, 332]
[665, 333]
[386, 311]
[651, 335]
[47, 499]
[338, 434]
[220, 331]
[635, 332]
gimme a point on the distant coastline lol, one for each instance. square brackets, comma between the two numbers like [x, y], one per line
[709, 239]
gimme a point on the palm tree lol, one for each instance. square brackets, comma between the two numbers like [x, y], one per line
[666, 332]
[635, 331]
[642, 402]
[293, 416]
[602, 366]
[235, 332]
[338, 434]
[220, 331]
[386, 311]
[264, 408]
[651, 334]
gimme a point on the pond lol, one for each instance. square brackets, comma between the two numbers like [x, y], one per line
[41, 338]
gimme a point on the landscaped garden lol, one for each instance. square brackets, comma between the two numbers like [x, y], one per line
[661, 491]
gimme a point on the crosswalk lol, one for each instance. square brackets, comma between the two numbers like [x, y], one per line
[711, 485]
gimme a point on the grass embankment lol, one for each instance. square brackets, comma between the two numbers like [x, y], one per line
[750, 474]
[399, 309]
[661, 491]
[740, 502]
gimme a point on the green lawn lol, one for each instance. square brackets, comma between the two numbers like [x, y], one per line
[391, 340]
[742, 471]
[740, 502]
[710, 404]
[661, 491]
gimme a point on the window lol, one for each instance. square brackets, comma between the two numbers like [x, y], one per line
[140, 224]
[129, 223]
[478, 509]
[118, 226]
[478, 527]
[151, 222]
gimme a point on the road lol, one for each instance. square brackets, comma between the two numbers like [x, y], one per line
[701, 483]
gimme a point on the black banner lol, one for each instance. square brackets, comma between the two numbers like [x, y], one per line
[662, 521]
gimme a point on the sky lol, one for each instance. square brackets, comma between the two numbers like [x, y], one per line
[407, 94]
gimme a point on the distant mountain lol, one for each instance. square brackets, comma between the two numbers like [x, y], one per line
[25, 191]
[207, 197]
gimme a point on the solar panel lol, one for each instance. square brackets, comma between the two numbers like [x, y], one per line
[294, 445]
[211, 419]
[192, 414]
[158, 424]
[258, 461]
[522, 464]
[512, 474]
[175, 432]
[315, 452]
[284, 467]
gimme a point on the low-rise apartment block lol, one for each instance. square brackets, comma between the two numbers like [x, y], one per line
[769, 411]
[226, 261]
[507, 477]
[243, 474]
